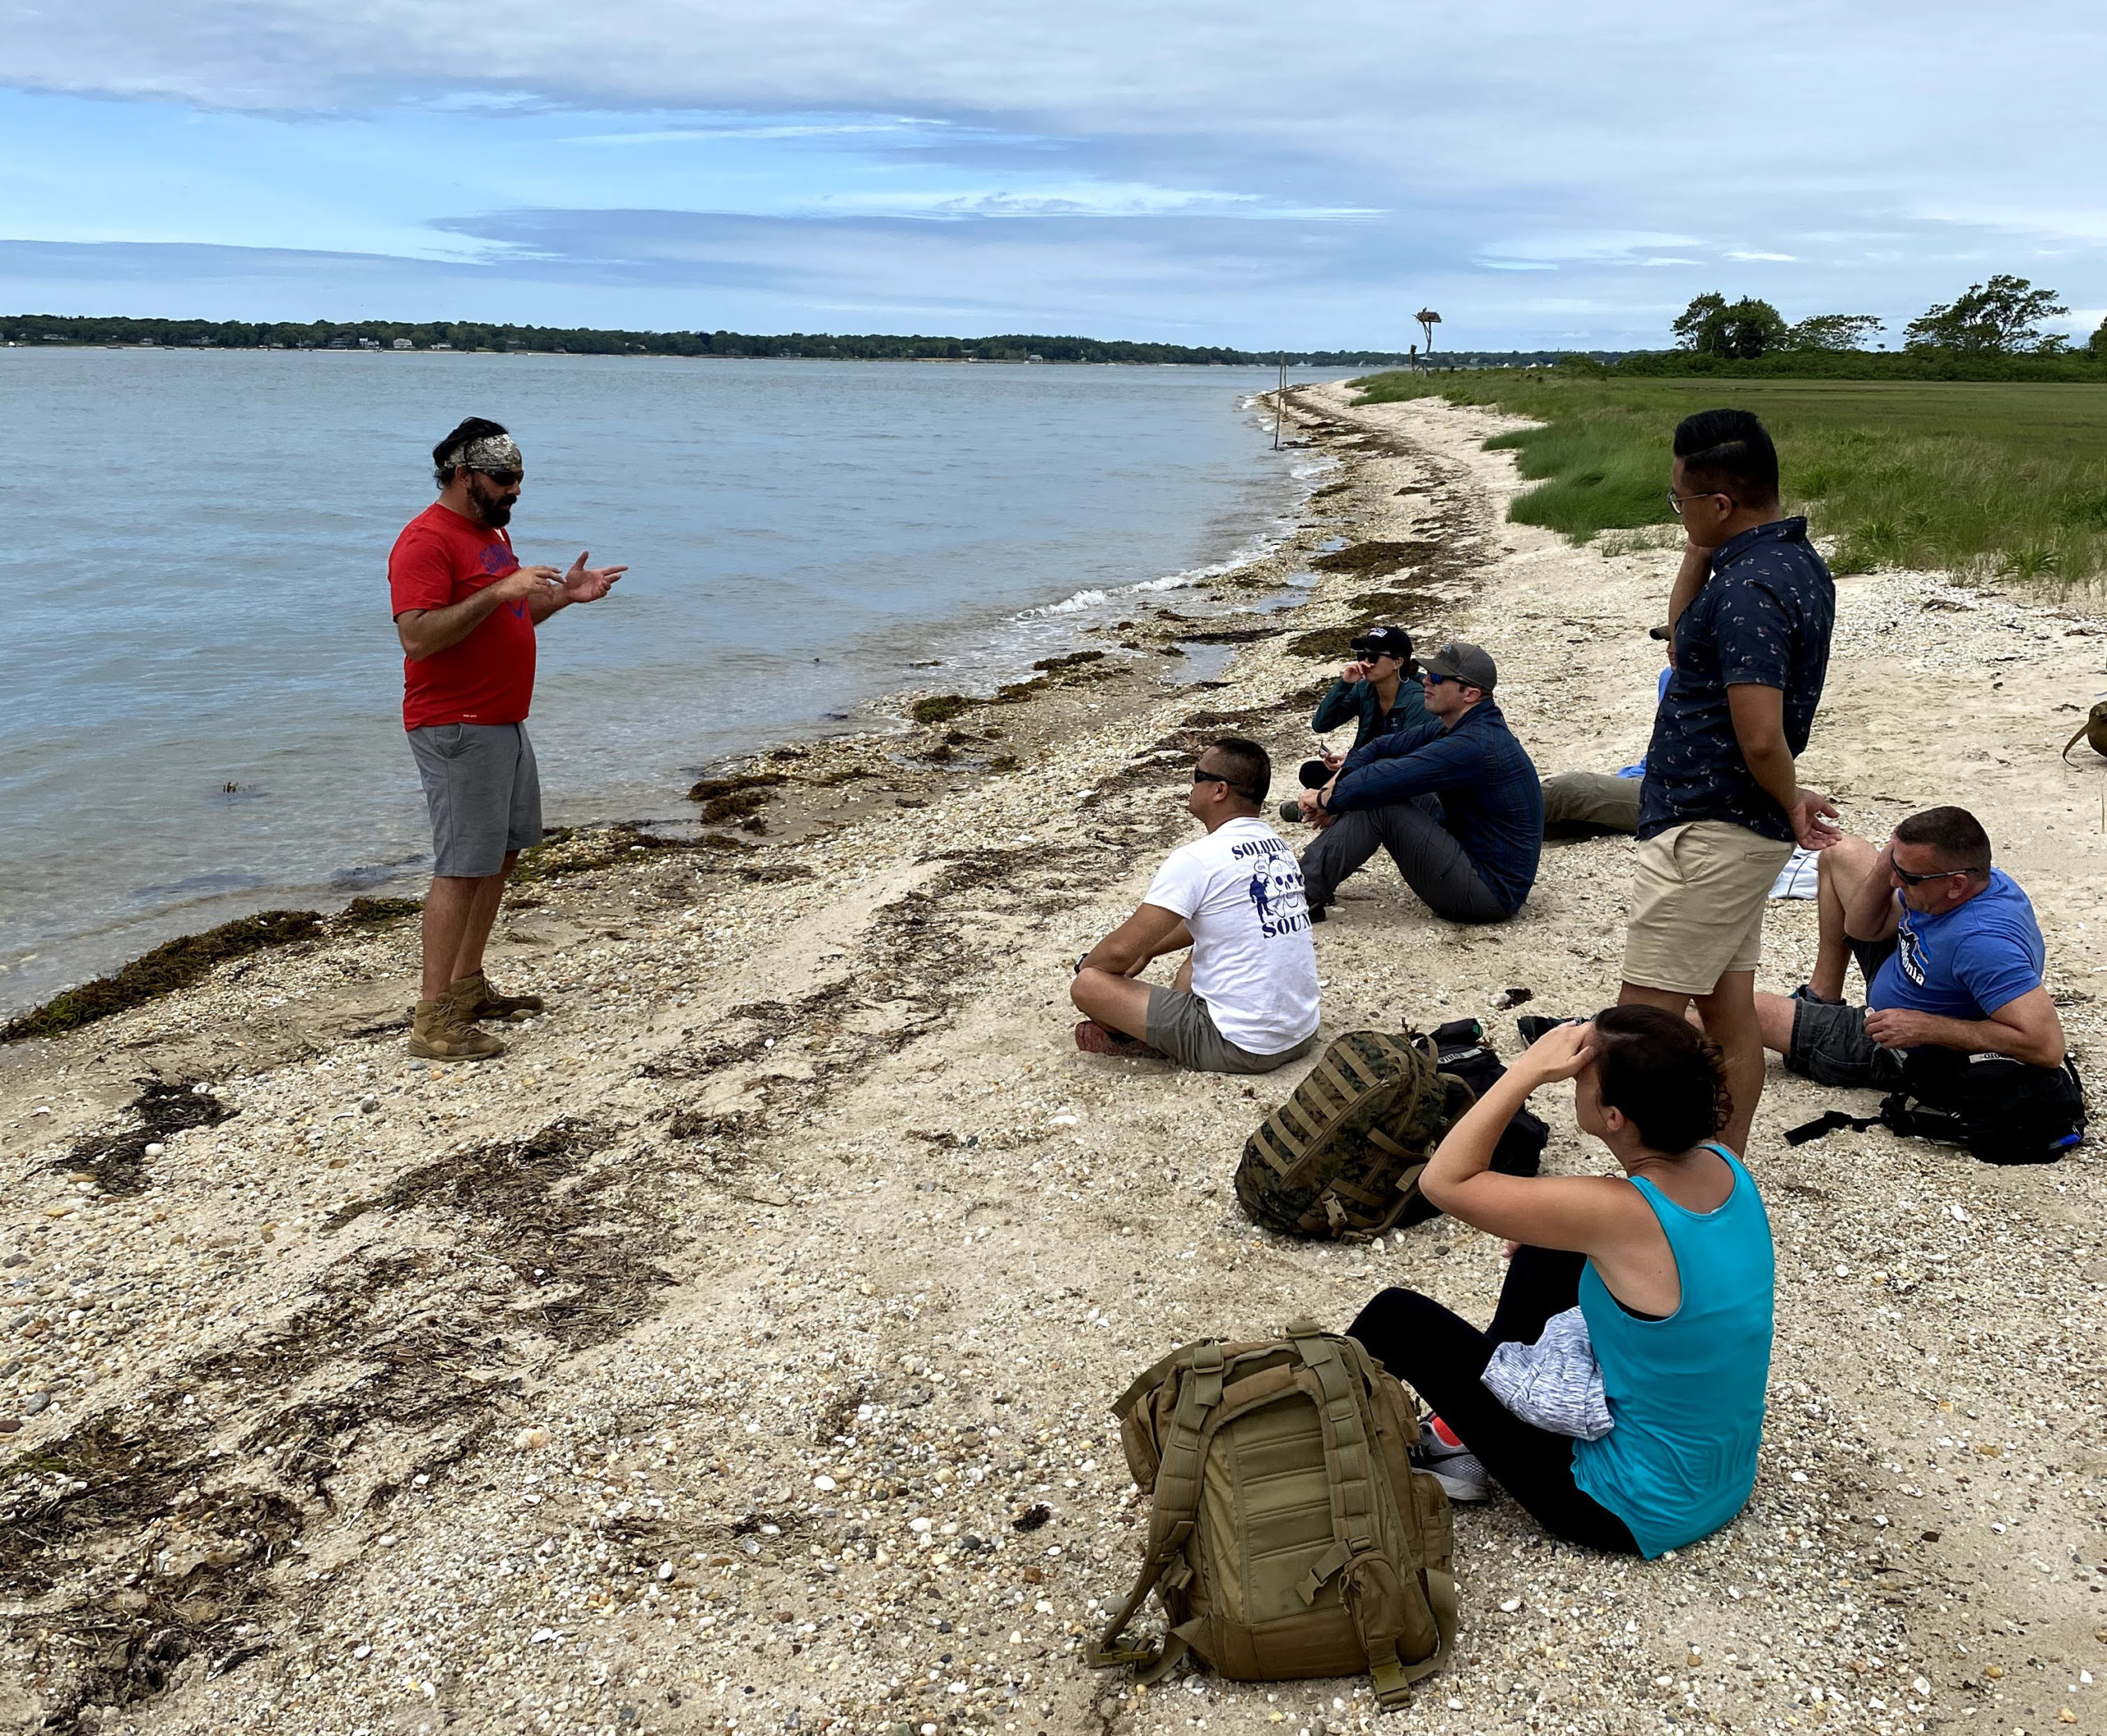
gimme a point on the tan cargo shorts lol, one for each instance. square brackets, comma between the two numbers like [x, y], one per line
[1698, 896]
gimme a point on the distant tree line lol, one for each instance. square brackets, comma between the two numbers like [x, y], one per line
[1991, 330]
[235, 334]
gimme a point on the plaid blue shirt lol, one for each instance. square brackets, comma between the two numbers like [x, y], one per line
[1763, 618]
[1491, 803]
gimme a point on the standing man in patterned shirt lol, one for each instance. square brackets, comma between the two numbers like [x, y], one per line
[1721, 809]
[466, 611]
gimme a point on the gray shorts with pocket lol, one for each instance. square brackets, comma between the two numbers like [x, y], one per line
[1831, 1046]
[1180, 1026]
[484, 793]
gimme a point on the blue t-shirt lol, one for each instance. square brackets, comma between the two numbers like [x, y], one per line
[1967, 963]
[1763, 619]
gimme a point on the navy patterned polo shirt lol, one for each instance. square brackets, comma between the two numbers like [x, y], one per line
[1764, 618]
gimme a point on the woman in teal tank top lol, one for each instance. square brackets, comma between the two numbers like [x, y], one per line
[1670, 1265]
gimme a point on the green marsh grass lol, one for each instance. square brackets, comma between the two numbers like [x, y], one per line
[2002, 480]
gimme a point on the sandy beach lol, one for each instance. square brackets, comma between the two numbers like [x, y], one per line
[736, 1352]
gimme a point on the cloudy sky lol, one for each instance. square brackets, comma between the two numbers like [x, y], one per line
[1254, 174]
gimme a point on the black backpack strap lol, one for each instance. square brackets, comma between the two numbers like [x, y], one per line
[1830, 1120]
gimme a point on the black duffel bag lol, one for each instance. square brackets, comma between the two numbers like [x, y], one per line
[2004, 1110]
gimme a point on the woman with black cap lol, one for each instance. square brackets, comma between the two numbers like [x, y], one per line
[1375, 693]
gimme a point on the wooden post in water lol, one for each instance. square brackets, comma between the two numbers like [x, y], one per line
[1280, 402]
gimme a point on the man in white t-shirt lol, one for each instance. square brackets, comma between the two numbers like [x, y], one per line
[1246, 1000]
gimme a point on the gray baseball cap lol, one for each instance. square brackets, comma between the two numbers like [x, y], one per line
[1470, 665]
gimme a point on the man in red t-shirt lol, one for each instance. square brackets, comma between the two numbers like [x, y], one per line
[465, 610]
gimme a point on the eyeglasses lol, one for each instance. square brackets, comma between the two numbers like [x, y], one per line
[1677, 501]
[1215, 777]
[1433, 678]
[502, 478]
[1907, 878]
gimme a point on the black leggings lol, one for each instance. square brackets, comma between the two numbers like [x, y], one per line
[1442, 1358]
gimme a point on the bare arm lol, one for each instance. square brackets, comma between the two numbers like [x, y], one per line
[1150, 932]
[426, 632]
[2027, 1029]
[1585, 1214]
[1759, 717]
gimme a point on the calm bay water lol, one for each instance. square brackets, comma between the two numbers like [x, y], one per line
[199, 596]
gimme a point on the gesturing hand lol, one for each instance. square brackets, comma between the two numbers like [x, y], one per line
[584, 583]
[525, 581]
[1811, 829]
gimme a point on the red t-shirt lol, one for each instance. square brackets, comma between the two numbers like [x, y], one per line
[488, 678]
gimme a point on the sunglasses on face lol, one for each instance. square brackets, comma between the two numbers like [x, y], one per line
[1907, 878]
[1215, 777]
[502, 478]
[1432, 679]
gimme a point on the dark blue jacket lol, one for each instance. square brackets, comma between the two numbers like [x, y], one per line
[1491, 803]
[1356, 702]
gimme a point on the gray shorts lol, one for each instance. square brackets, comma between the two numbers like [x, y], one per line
[1180, 1026]
[483, 793]
[1830, 1047]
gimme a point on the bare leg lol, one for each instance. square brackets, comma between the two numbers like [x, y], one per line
[490, 893]
[1117, 1002]
[1730, 1020]
[459, 913]
[1727, 1015]
[1839, 871]
[1775, 1014]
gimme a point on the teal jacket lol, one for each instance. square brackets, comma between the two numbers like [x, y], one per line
[1356, 702]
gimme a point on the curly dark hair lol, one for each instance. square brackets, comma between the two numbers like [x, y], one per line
[1663, 1073]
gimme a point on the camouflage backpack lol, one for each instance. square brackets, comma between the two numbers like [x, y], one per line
[1289, 1536]
[1341, 1158]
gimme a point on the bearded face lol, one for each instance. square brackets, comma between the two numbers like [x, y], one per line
[491, 500]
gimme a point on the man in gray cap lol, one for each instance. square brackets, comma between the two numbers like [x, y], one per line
[466, 611]
[1455, 802]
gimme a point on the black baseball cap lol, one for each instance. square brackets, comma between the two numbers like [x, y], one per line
[1385, 642]
[1467, 663]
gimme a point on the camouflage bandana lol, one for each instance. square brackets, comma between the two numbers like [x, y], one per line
[493, 452]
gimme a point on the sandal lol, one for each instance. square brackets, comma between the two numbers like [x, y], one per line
[1094, 1039]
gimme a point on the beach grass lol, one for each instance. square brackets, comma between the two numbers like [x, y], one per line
[1992, 481]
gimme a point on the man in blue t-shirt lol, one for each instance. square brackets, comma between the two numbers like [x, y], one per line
[1950, 953]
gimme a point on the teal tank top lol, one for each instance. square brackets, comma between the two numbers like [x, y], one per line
[1686, 1393]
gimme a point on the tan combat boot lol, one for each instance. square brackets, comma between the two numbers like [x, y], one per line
[439, 1032]
[477, 1000]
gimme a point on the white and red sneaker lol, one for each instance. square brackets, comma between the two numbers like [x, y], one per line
[1455, 1466]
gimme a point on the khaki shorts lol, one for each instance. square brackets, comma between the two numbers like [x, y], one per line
[1698, 896]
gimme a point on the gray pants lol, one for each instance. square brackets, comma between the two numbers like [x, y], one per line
[1591, 801]
[1434, 864]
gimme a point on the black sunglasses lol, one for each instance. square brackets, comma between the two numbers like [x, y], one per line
[504, 478]
[1907, 878]
[1215, 777]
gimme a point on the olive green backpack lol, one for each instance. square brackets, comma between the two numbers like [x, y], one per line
[1341, 1158]
[1289, 1535]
